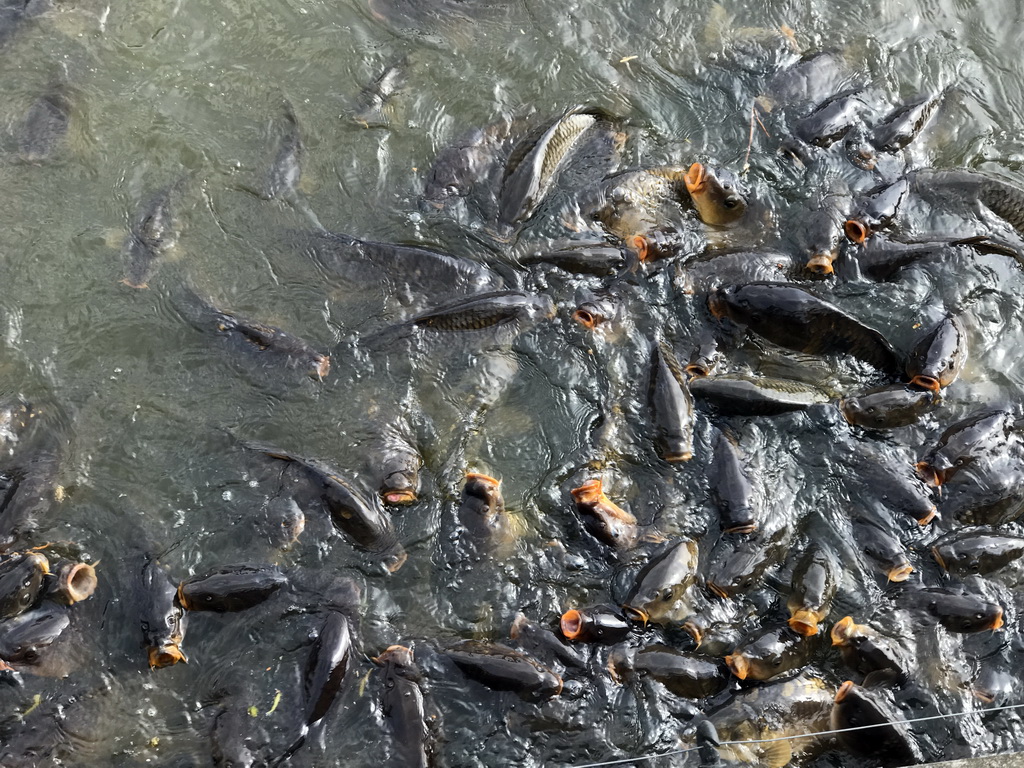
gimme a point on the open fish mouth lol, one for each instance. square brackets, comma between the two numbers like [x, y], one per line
[856, 231]
[923, 381]
[696, 179]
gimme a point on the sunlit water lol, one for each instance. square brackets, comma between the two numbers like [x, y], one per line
[189, 93]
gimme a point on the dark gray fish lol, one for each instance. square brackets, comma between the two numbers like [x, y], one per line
[163, 620]
[596, 310]
[153, 233]
[893, 132]
[403, 705]
[738, 561]
[504, 669]
[230, 588]
[795, 319]
[598, 259]
[45, 125]
[689, 675]
[873, 475]
[468, 169]
[396, 461]
[21, 582]
[864, 650]
[27, 492]
[732, 394]
[281, 521]
[482, 513]
[983, 432]
[810, 80]
[875, 209]
[955, 610]
[671, 403]
[532, 170]
[599, 624]
[361, 517]
[24, 637]
[979, 551]
[605, 519]
[538, 640]
[878, 539]
[661, 582]
[890, 743]
[821, 231]
[371, 106]
[14, 12]
[326, 667]
[888, 407]
[770, 652]
[731, 489]
[814, 584]
[486, 310]
[424, 271]
[286, 170]
[938, 358]
[229, 736]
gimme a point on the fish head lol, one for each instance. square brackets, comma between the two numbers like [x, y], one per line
[716, 195]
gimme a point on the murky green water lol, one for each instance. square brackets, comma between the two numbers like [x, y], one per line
[190, 93]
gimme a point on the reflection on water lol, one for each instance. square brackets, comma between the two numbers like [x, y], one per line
[265, 119]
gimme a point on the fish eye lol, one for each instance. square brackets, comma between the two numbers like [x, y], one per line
[730, 202]
[666, 594]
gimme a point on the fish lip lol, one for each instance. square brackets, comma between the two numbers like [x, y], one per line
[591, 491]
[900, 573]
[165, 655]
[697, 370]
[997, 622]
[844, 689]
[696, 179]
[924, 381]
[678, 456]
[929, 474]
[929, 517]
[841, 630]
[636, 614]
[396, 561]
[984, 696]
[717, 590]
[494, 483]
[803, 623]
[639, 244]
[694, 631]
[738, 665]
[586, 318]
[572, 623]
[939, 559]
[717, 305]
[821, 264]
[71, 582]
[396, 498]
[182, 600]
[321, 367]
[843, 406]
[856, 231]
[745, 528]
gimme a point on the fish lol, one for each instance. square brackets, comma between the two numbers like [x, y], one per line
[875, 209]
[865, 650]
[889, 407]
[362, 519]
[229, 735]
[25, 636]
[153, 233]
[716, 195]
[821, 231]
[635, 203]
[988, 491]
[501, 668]
[661, 583]
[599, 259]
[281, 521]
[870, 475]
[890, 742]
[877, 539]
[534, 164]
[286, 170]
[731, 489]
[705, 358]
[667, 242]
[371, 107]
[28, 490]
[22, 578]
[393, 267]
[45, 125]
[230, 588]
[537, 640]
[689, 675]
[598, 624]
[809, 80]
[71, 582]
[770, 652]
[403, 706]
[273, 343]
[984, 431]
[483, 311]
[163, 620]
[468, 167]
[937, 359]
[737, 395]
[893, 132]
[738, 561]
[814, 584]
[603, 518]
[671, 404]
[397, 463]
[980, 551]
[957, 611]
[797, 320]
[790, 707]
[597, 310]
[829, 122]
[326, 666]
[482, 513]
[967, 190]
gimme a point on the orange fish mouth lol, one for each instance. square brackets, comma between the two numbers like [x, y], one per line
[930, 475]
[586, 318]
[717, 306]
[929, 517]
[718, 590]
[321, 367]
[804, 623]
[637, 614]
[738, 665]
[591, 492]
[856, 231]
[926, 382]
[821, 264]
[639, 244]
[165, 656]
[844, 689]
[78, 582]
[997, 622]
[487, 479]
[696, 179]
[744, 528]
[399, 497]
[842, 630]
[572, 624]
[694, 631]
[900, 573]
